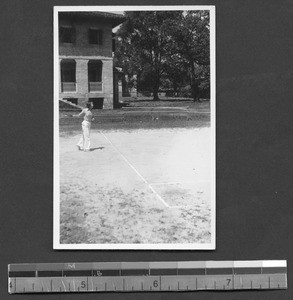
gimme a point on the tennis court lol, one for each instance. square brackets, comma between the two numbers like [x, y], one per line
[136, 187]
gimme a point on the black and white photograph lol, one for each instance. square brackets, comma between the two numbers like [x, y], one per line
[146, 149]
[134, 127]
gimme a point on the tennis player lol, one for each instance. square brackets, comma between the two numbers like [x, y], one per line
[84, 143]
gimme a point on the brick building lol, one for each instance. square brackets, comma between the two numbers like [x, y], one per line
[86, 57]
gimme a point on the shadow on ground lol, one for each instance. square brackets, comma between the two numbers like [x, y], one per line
[98, 148]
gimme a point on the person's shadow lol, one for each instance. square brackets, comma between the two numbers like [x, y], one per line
[98, 148]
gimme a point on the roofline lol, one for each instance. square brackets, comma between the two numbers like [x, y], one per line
[115, 19]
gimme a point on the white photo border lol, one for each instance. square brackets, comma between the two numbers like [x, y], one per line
[56, 193]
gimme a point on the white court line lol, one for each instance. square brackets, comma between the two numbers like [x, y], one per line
[140, 176]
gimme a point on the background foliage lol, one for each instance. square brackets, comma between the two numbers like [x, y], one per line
[165, 50]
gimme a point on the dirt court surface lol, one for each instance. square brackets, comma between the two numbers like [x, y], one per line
[136, 187]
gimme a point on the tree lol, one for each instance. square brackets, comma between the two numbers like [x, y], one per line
[142, 46]
[175, 75]
[165, 48]
[192, 39]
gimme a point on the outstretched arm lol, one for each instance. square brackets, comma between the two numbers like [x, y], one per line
[79, 114]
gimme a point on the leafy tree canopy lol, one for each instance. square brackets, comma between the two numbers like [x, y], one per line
[164, 48]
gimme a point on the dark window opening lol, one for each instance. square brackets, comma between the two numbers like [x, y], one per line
[95, 75]
[97, 102]
[67, 35]
[95, 70]
[96, 36]
[68, 73]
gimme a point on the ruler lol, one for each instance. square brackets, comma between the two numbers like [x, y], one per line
[147, 276]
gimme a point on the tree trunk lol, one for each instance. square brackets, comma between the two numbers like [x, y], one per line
[194, 84]
[195, 91]
[156, 89]
[175, 88]
[156, 94]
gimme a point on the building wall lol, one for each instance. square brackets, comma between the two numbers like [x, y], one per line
[81, 51]
[81, 45]
[82, 88]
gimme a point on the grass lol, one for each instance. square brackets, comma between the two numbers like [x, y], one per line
[167, 102]
[127, 218]
[200, 122]
[143, 114]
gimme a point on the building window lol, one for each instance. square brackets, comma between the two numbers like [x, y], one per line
[68, 75]
[95, 75]
[95, 70]
[67, 35]
[96, 36]
[98, 103]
